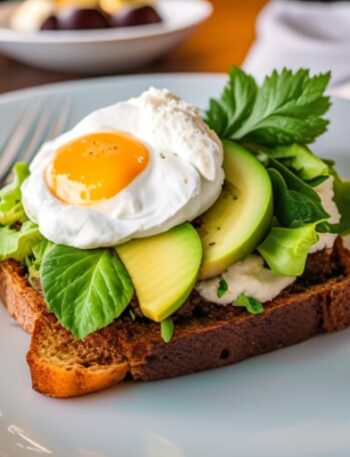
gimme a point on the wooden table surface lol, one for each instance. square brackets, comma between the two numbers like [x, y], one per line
[223, 40]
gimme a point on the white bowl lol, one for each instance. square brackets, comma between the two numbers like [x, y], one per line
[107, 50]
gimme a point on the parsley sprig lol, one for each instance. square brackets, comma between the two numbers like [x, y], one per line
[287, 108]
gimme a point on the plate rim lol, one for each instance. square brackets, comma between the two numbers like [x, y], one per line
[40, 89]
[17, 94]
[205, 9]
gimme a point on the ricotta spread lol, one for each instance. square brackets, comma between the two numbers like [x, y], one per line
[346, 240]
[249, 277]
[326, 194]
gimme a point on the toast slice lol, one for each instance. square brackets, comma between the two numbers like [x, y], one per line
[19, 297]
[206, 335]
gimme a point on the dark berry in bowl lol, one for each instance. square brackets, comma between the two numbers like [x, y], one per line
[129, 16]
[51, 23]
[81, 19]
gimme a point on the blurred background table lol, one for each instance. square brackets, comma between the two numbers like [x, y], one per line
[223, 40]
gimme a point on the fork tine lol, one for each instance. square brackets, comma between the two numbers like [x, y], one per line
[47, 127]
[43, 122]
[19, 118]
[61, 122]
[14, 142]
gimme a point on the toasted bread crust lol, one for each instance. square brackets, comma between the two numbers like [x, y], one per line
[67, 367]
[59, 382]
[63, 367]
[20, 299]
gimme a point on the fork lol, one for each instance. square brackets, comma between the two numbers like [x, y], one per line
[36, 125]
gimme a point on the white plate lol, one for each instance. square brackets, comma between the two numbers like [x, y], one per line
[293, 402]
[102, 51]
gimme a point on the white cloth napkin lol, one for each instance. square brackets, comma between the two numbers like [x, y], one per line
[298, 34]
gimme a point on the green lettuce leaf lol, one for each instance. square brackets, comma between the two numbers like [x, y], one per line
[34, 260]
[251, 304]
[11, 209]
[85, 289]
[285, 250]
[287, 108]
[342, 200]
[295, 204]
[17, 244]
[302, 161]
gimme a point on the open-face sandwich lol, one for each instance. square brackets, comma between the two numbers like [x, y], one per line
[151, 242]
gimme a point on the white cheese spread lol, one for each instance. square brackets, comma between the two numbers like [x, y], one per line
[249, 277]
[326, 194]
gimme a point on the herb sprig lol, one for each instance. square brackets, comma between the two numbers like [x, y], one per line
[222, 288]
[287, 108]
[251, 304]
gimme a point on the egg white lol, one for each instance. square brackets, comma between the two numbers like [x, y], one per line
[182, 179]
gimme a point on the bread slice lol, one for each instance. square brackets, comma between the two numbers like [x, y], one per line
[64, 367]
[206, 335]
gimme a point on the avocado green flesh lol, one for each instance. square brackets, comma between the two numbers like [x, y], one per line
[163, 269]
[239, 219]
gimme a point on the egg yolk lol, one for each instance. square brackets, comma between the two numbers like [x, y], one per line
[95, 167]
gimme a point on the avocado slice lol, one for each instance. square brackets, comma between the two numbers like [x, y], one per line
[236, 223]
[163, 269]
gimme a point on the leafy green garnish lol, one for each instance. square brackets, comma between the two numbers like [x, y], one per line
[285, 250]
[342, 200]
[85, 289]
[302, 161]
[251, 304]
[222, 288]
[287, 108]
[11, 209]
[295, 204]
[17, 243]
[235, 105]
[167, 329]
[34, 260]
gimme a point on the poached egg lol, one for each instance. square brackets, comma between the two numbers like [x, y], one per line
[130, 170]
